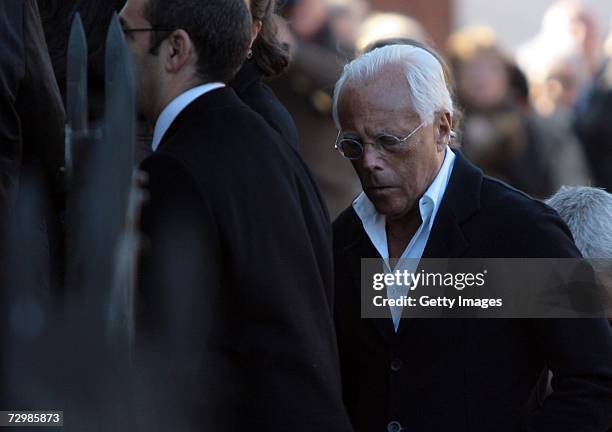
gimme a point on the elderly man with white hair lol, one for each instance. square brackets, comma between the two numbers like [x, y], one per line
[422, 199]
[587, 211]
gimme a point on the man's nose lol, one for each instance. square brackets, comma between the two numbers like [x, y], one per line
[371, 159]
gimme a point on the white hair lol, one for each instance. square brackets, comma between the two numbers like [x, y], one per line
[587, 211]
[424, 76]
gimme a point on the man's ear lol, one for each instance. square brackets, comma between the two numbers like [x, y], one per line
[179, 51]
[257, 25]
[444, 128]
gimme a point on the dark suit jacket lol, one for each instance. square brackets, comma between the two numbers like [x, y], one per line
[236, 303]
[249, 86]
[31, 110]
[31, 154]
[471, 375]
[254, 92]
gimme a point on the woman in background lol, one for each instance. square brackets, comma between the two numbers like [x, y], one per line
[267, 58]
[496, 132]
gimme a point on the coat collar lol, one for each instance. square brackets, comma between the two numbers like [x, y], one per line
[193, 114]
[248, 75]
[461, 200]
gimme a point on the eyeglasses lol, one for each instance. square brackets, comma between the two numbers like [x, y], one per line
[353, 149]
[152, 29]
[158, 40]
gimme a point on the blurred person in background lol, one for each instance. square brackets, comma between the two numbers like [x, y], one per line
[565, 79]
[593, 125]
[31, 139]
[494, 135]
[306, 90]
[31, 192]
[571, 23]
[587, 211]
[380, 27]
[267, 58]
[558, 75]
[345, 21]
[562, 62]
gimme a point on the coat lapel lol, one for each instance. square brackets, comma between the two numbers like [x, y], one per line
[461, 200]
[363, 248]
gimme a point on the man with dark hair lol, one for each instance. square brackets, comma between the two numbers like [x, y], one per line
[235, 296]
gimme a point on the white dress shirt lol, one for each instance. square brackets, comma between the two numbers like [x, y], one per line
[174, 108]
[374, 225]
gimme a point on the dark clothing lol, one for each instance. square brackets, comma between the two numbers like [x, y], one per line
[471, 375]
[236, 290]
[510, 145]
[249, 86]
[306, 90]
[31, 154]
[31, 111]
[57, 16]
[31, 146]
[594, 129]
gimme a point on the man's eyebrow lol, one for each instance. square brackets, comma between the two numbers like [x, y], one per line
[349, 134]
[385, 131]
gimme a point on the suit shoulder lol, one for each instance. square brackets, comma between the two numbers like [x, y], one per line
[518, 219]
[501, 198]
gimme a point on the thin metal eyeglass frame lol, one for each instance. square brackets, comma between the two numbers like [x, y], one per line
[400, 141]
[131, 30]
[159, 41]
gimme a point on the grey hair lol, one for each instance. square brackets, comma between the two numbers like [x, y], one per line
[424, 76]
[588, 213]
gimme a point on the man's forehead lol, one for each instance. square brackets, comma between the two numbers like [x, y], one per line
[387, 90]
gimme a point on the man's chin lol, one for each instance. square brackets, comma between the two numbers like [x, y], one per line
[388, 208]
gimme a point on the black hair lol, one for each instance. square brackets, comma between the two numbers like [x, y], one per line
[219, 29]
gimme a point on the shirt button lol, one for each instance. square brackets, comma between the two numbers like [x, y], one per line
[394, 427]
[396, 365]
